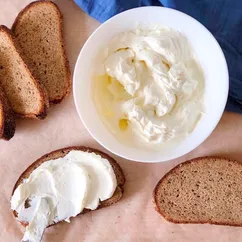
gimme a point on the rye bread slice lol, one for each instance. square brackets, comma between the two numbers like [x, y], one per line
[61, 153]
[7, 120]
[26, 96]
[39, 32]
[202, 190]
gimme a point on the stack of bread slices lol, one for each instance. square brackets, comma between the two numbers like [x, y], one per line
[34, 70]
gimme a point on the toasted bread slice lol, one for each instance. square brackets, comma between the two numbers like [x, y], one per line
[61, 153]
[38, 30]
[202, 190]
[7, 120]
[26, 97]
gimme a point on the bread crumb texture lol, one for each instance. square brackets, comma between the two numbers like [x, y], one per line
[204, 190]
[38, 33]
[22, 92]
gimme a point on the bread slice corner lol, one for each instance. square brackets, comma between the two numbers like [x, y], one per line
[202, 190]
[27, 97]
[38, 29]
[7, 120]
[63, 152]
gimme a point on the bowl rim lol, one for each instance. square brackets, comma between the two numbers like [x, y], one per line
[223, 100]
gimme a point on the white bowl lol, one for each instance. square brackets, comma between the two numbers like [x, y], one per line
[208, 53]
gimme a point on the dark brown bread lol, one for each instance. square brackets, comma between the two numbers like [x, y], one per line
[38, 31]
[26, 96]
[7, 120]
[61, 153]
[202, 190]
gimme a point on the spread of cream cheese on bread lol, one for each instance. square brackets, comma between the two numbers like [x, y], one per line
[150, 87]
[60, 189]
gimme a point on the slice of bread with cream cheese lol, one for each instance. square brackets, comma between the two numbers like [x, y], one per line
[63, 184]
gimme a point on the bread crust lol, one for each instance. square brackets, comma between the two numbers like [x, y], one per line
[156, 190]
[44, 99]
[61, 153]
[61, 37]
[7, 125]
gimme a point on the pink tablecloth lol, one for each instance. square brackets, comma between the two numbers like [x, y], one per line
[133, 218]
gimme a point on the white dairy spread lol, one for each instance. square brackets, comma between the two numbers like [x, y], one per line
[61, 188]
[150, 89]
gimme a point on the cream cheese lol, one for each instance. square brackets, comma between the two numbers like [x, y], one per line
[120, 66]
[60, 189]
[151, 82]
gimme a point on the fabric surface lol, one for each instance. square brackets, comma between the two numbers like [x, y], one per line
[222, 17]
[133, 219]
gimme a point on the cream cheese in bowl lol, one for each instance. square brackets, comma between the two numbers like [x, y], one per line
[152, 93]
[150, 87]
